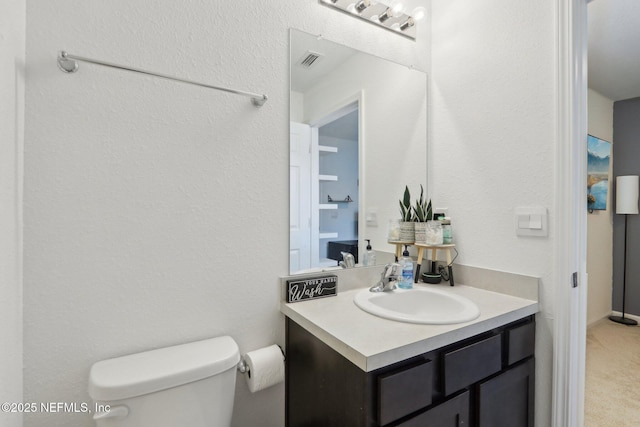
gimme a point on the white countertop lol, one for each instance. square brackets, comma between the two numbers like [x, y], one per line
[371, 342]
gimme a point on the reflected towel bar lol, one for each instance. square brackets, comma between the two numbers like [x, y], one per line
[68, 63]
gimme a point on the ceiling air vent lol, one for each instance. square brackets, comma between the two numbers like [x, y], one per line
[309, 59]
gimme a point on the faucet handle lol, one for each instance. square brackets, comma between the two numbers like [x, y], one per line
[348, 259]
[385, 271]
[390, 270]
[388, 277]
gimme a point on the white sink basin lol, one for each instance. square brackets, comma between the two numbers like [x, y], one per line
[418, 305]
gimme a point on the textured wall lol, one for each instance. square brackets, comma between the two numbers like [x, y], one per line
[599, 223]
[493, 142]
[626, 129]
[157, 213]
[12, 40]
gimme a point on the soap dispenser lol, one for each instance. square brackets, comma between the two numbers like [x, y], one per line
[369, 255]
[406, 281]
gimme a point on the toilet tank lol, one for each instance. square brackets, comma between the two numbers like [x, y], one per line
[185, 385]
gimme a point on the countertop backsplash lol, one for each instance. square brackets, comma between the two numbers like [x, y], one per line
[513, 284]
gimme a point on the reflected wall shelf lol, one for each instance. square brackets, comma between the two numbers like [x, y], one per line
[347, 199]
[328, 235]
[326, 206]
[327, 149]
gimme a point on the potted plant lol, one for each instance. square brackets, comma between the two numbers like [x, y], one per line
[423, 212]
[407, 222]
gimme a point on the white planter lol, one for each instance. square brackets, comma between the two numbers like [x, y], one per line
[393, 230]
[421, 232]
[434, 233]
[407, 231]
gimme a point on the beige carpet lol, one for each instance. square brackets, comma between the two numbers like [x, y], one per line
[612, 395]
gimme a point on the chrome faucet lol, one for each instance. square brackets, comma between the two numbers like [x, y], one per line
[348, 260]
[388, 278]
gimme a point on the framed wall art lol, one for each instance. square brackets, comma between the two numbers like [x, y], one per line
[598, 161]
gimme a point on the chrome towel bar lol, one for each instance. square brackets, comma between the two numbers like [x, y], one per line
[68, 63]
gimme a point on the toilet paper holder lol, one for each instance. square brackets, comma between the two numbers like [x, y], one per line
[244, 368]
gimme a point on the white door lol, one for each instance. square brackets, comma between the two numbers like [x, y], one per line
[300, 197]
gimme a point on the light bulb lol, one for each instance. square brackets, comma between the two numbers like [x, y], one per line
[397, 9]
[418, 13]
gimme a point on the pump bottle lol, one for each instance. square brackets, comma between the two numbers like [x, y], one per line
[369, 255]
[406, 282]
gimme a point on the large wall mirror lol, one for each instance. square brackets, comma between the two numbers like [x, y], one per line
[358, 135]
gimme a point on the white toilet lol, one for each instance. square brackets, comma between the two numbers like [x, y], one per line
[184, 385]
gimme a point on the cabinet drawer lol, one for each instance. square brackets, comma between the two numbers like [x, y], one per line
[404, 391]
[452, 413]
[472, 363]
[521, 342]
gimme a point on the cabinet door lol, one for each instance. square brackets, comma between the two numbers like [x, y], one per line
[507, 400]
[452, 413]
[322, 387]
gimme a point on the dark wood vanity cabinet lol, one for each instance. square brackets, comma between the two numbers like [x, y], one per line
[483, 381]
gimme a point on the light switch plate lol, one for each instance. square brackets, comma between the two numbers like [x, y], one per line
[371, 217]
[531, 221]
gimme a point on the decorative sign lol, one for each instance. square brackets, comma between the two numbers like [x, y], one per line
[318, 287]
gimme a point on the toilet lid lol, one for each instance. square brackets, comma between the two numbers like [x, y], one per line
[160, 369]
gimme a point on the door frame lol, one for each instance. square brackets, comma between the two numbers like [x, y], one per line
[569, 341]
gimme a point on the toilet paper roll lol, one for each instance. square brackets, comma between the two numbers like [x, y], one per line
[266, 367]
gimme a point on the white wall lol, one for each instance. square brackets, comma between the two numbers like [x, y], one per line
[600, 223]
[12, 57]
[493, 107]
[150, 206]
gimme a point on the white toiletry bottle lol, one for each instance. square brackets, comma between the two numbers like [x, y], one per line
[369, 255]
[406, 281]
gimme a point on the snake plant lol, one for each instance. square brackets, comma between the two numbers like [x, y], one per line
[423, 210]
[406, 211]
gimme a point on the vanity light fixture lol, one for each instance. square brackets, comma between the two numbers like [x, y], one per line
[362, 5]
[407, 24]
[388, 14]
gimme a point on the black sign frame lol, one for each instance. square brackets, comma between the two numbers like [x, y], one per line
[307, 289]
